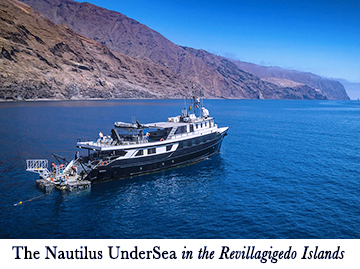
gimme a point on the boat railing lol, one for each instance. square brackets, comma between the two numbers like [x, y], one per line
[183, 134]
[33, 165]
[86, 139]
[199, 131]
[39, 166]
[124, 141]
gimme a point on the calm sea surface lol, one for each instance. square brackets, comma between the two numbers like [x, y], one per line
[287, 169]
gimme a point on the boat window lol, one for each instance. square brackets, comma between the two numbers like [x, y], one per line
[205, 123]
[198, 140]
[197, 126]
[210, 124]
[140, 153]
[191, 142]
[191, 127]
[180, 145]
[201, 125]
[114, 153]
[168, 147]
[181, 130]
[152, 151]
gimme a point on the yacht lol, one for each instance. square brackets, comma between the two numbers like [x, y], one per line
[135, 148]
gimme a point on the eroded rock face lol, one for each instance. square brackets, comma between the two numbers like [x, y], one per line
[83, 51]
[42, 60]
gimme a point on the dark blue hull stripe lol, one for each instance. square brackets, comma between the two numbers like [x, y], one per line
[137, 166]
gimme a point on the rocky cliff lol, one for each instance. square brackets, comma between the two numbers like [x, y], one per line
[83, 51]
[42, 60]
[331, 88]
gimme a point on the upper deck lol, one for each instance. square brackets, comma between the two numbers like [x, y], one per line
[130, 135]
[155, 134]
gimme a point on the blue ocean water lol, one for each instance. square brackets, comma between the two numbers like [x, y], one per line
[287, 169]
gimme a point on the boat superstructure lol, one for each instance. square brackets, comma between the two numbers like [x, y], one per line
[135, 148]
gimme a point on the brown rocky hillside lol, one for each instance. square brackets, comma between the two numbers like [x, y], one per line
[215, 76]
[331, 88]
[90, 52]
[40, 59]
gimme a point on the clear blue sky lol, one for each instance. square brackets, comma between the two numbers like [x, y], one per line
[318, 36]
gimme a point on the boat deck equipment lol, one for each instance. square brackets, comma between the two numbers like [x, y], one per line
[62, 178]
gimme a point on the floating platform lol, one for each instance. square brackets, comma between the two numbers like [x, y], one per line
[48, 186]
[79, 185]
[60, 178]
[45, 185]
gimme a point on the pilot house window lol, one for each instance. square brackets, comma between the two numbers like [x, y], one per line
[152, 151]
